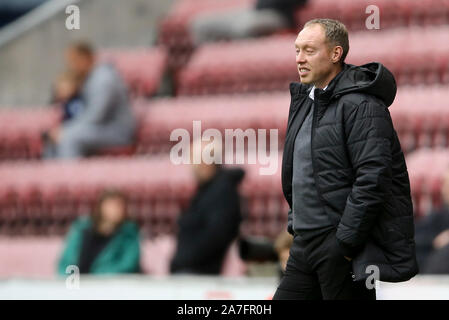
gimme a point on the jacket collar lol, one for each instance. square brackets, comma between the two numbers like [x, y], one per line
[323, 97]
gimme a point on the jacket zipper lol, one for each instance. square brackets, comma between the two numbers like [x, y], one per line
[314, 122]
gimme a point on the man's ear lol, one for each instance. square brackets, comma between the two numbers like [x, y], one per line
[337, 53]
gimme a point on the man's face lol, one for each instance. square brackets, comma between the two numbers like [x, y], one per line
[113, 211]
[313, 56]
[78, 63]
[64, 89]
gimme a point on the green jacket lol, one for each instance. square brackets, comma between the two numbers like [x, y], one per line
[121, 254]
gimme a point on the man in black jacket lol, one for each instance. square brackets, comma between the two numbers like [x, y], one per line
[211, 222]
[343, 175]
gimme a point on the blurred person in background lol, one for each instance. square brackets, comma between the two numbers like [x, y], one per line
[106, 119]
[105, 242]
[67, 93]
[432, 237]
[282, 245]
[67, 96]
[266, 17]
[259, 249]
[211, 222]
[344, 174]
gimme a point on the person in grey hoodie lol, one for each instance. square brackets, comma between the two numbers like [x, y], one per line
[106, 119]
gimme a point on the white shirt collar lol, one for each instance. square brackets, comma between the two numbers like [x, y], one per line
[312, 92]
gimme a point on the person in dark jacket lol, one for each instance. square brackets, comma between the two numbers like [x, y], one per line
[265, 17]
[67, 96]
[432, 237]
[343, 174]
[105, 242]
[211, 222]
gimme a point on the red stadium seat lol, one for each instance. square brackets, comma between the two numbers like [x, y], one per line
[268, 63]
[141, 68]
[174, 32]
[117, 151]
[36, 197]
[22, 129]
[427, 168]
[38, 256]
[29, 256]
[45, 197]
[420, 116]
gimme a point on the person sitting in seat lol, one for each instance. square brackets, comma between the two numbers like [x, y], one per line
[106, 119]
[67, 96]
[104, 242]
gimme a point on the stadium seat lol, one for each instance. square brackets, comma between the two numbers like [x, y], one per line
[392, 13]
[269, 63]
[29, 256]
[419, 113]
[174, 31]
[174, 28]
[22, 129]
[427, 168]
[37, 257]
[261, 111]
[45, 197]
[141, 68]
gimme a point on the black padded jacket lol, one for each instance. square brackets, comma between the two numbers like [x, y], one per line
[359, 170]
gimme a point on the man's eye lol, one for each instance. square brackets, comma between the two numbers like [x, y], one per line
[310, 51]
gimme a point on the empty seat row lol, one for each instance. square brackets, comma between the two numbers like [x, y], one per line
[164, 116]
[420, 56]
[427, 170]
[20, 137]
[420, 115]
[174, 28]
[44, 197]
[354, 13]
[38, 256]
[141, 68]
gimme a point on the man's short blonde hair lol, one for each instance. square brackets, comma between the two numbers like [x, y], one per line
[336, 34]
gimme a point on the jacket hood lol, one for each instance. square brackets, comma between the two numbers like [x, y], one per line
[371, 78]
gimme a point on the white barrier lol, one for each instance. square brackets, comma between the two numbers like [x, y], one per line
[197, 288]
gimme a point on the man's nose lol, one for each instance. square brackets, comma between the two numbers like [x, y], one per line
[300, 58]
